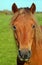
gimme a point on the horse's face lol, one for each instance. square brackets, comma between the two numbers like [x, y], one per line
[24, 28]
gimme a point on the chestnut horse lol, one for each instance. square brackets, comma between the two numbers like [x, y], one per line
[28, 35]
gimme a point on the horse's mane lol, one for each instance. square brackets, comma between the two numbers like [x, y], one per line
[38, 35]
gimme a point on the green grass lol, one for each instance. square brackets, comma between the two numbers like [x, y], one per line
[8, 50]
[39, 18]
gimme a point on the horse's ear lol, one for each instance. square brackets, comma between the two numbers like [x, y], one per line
[33, 8]
[14, 8]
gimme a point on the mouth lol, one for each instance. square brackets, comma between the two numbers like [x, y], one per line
[22, 59]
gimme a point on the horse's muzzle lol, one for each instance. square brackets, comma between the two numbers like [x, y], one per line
[24, 55]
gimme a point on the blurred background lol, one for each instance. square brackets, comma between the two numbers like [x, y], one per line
[6, 4]
[8, 49]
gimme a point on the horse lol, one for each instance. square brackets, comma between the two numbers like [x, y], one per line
[28, 35]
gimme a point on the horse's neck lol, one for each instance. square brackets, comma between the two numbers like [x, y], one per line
[37, 42]
[37, 51]
[37, 48]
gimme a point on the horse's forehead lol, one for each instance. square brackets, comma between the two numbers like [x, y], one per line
[21, 12]
[23, 17]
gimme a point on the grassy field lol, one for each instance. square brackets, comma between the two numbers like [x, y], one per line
[8, 50]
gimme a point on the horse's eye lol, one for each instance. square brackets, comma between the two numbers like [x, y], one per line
[14, 27]
[33, 26]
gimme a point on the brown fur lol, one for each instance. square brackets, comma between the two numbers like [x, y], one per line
[23, 19]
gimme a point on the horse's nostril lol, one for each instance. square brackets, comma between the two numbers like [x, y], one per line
[29, 54]
[20, 53]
